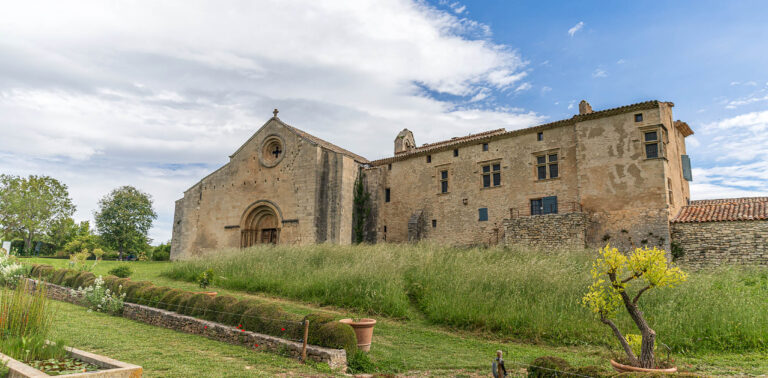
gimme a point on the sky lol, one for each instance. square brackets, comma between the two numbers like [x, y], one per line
[101, 94]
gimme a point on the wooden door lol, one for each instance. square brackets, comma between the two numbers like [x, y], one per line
[269, 236]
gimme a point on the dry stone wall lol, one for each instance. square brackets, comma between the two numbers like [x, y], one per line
[718, 243]
[551, 231]
[335, 358]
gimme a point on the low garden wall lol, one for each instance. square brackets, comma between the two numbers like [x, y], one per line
[726, 242]
[550, 231]
[335, 358]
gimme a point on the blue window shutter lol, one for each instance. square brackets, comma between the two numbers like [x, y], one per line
[686, 167]
[550, 205]
[482, 214]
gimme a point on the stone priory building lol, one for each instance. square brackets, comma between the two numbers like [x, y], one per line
[618, 175]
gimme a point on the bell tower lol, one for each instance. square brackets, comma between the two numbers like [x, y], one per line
[404, 142]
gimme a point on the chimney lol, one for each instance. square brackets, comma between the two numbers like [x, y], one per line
[584, 107]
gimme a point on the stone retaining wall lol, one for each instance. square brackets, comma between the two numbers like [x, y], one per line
[717, 243]
[550, 231]
[335, 358]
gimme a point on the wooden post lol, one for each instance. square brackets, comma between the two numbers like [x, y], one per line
[304, 344]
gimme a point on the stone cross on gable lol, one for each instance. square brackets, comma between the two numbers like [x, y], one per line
[275, 112]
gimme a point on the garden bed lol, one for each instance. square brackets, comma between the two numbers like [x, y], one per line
[107, 367]
[335, 358]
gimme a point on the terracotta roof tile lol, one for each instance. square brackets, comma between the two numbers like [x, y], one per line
[325, 144]
[501, 133]
[456, 140]
[727, 209]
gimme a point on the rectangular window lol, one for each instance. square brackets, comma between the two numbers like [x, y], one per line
[651, 145]
[547, 163]
[429, 158]
[443, 181]
[542, 206]
[482, 214]
[456, 152]
[385, 228]
[540, 136]
[389, 167]
[386, 195]
[434, 223]
[639, 117]
[491, 175]
[485, 146]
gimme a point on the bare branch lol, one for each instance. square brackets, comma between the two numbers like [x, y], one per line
[639, 293]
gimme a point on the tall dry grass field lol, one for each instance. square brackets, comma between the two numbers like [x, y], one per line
[529, 295]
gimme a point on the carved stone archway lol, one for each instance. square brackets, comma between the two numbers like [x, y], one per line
[260, 224]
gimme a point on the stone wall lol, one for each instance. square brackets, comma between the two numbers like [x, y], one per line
[716, 243]
[335, 358]
[551, 231]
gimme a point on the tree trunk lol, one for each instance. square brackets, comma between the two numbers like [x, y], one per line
[27, 243]
[120, 254]
[647, 358]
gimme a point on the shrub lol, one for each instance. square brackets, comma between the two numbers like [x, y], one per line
[69, 278]
[109, 280]
[261, 317]
[168, 299]
[179, 303]
[45, 272]
[35, 268]
[548, 366]
[140, 295]
[154, 295]
[100, 298]
[234, 311]
[337, 335]
[218, 307]
[205, 279]
[198, 305]
[122, 271]
[58, 276]
[84, 279]
[590, 371]
[316, 320]
[118, 286]
[161, 255]
[132, 289]
[359, 363]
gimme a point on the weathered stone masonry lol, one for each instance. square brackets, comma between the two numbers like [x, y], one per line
[551, 231]
[727, 242]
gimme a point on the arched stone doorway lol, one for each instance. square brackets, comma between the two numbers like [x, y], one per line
[260, 225]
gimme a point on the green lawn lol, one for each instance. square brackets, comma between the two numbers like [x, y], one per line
[412, 345]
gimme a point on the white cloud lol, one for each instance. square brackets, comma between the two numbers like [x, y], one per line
[621, 61]
[751, 99]
[575, 28]
[598, 72]
[102, 94]
[523, 87]
[571, 104]
[545, 89]
[732, 160]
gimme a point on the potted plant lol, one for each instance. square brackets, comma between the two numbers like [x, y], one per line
[613, 276]
[363, 331]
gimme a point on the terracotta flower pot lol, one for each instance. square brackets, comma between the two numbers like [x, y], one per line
[363, 332]
[621, 368]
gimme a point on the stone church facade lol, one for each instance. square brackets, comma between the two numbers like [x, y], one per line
[618, 175]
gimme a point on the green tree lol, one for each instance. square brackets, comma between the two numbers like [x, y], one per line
[124, 218]
[65, 230]
[30, 207]
[613, 274]
[362, 208]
